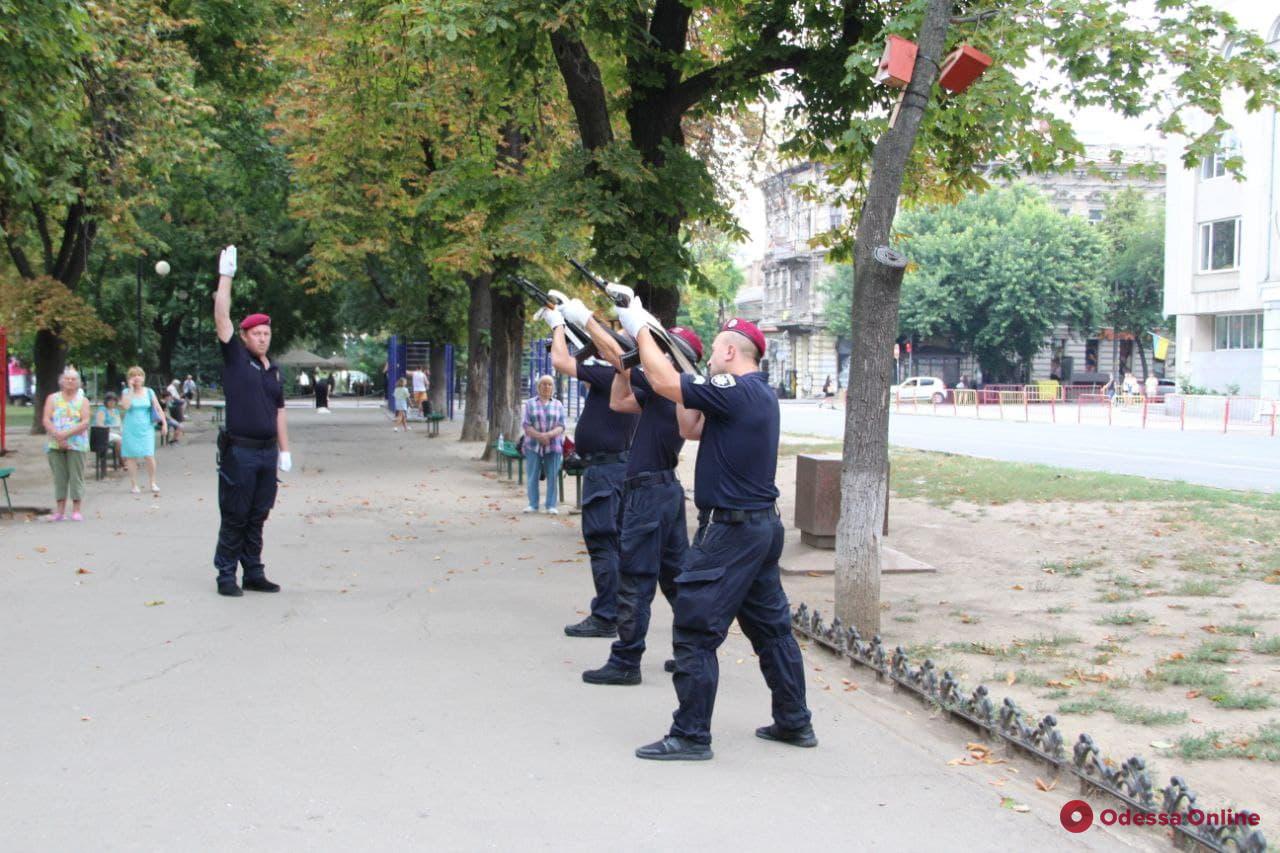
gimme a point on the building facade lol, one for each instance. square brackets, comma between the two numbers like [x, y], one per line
[1222, 247]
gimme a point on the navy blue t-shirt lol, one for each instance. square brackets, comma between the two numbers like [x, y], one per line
[657, 442]
[253, 393]
[600, 429]
[738, 454]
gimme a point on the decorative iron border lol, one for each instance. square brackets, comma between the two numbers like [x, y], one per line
[1128, 782]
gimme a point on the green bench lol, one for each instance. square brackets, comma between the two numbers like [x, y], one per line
[508, 455]
[433, 424]
[4, 478]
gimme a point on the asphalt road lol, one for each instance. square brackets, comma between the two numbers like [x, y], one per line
[1232, 461]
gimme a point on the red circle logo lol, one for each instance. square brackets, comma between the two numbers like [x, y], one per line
[1076, 816]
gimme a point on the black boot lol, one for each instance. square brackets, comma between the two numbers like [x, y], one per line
[672, 748]
[227, 586]
[259, 583]
[802, 736]
[610, 674]
[592, 626]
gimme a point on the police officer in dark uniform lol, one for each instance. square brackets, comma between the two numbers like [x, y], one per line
[253, 443]
[655, 535]
[732, 569]
[601, 439]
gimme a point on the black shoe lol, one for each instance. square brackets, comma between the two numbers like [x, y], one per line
[610, 674]
[261, 585]
[230, 588]
[669, 666]
[673, 748]
[592, 626]
[803, 736]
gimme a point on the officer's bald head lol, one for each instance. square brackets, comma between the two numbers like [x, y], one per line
[733, 353]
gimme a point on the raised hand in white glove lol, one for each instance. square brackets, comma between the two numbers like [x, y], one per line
[286, 461]
[551, 317]
[616, 290]
[635, 318]
[576, 313]
[227, 262]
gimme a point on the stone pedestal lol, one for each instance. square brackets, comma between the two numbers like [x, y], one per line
[818, 499]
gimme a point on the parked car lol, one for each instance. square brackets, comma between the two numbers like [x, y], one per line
[919, 388]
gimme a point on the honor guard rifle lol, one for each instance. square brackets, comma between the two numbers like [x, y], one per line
[585, 349]
[684, 358]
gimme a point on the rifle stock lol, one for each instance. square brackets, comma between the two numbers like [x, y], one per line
[585, 347]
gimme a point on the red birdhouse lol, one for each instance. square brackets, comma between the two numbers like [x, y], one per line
[961, 67]
[897, 63]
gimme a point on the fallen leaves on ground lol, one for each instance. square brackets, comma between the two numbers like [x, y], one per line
[1046, 786]
[156, 603]
[83, 571]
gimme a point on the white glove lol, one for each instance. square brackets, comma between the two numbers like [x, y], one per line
[620, 290]
[551, 317]
[559, 297]
[576, 313]
[227, 262]
[634, 302]
[635, 318]
[286, 461]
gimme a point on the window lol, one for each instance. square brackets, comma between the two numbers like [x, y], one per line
[1219, 245]
[1095, 215]
[1213, 166]
[1237, 331]
[837, 217]
[1065, 211]
[1091, 355]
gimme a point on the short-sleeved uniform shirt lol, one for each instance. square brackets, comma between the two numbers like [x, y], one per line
[600, 429]
[738, 455]
[254, 393]
[657, 442]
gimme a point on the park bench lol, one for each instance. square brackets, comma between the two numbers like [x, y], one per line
[508, 455]
[218, 408]
[4, 478]
[433, 424]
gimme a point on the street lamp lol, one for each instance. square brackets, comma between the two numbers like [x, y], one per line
[162, 270]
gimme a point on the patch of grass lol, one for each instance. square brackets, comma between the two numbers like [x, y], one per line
[1218, 650]
[787, 448]
[1263, 744]
[1267, 646]
[1059, 693]
[965, 618]
[1248, 701]
[919, 651]
[1238, 630]
[1190, 674]
[1250, 616]
[1032, 648]
[1059, 609]
[1071, 568]
[1122, 711]
[19, 417]
[1199, 564]
[904, 617]
[1125, 617]
[1201, 587]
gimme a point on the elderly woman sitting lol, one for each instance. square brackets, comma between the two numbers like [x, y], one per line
[543, 442]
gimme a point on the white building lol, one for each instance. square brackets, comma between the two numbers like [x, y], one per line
[1222, 247]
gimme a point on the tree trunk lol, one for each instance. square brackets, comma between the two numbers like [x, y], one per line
[475, 420]
[1142, 354]
[508, 357]
[169, 332]
[877, 286]
[51, 359]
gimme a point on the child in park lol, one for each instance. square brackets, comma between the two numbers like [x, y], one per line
[402, 404]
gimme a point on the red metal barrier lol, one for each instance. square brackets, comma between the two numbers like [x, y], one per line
[1226, 413]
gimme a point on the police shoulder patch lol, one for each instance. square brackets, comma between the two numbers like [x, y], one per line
[699, 379]
[724, 380]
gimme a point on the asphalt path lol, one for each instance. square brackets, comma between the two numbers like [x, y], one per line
[1231, 461]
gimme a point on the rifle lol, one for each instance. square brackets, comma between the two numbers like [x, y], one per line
[578, 337]
[681, 355]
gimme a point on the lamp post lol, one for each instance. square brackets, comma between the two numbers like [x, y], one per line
[162, 270]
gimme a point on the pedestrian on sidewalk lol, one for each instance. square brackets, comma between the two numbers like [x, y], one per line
[732, 569]
[421, 384]
[654, 535]
[400, 401]
[544, 425]
[254, 442]
[322, 386]
[603, 439]
[66, 421]
[142, 414]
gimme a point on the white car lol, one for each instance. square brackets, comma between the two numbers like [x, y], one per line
[919, 388]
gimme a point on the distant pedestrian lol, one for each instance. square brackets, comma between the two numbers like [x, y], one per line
[66, 420]
[174, 413]
[1152, 386]
[421, 385]
[1110, 388]
[400, 401]
[1130, 387]
[141, 414]
[108, 415]
[188, 388]
[322, 394]
[544, 425]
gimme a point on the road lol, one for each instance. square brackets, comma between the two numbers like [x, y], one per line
[411, 687]
[1207, 458]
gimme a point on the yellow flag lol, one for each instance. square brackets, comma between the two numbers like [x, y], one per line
[1160, 346]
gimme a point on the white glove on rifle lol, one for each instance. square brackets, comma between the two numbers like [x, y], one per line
[635, 318]
[286, 461]
[621, 290]
[576, 312]
[551, 317]
[227, 262]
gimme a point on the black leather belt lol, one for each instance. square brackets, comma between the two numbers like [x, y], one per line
[252, 443]
[605, 458]
[651, 478]
[736, 516]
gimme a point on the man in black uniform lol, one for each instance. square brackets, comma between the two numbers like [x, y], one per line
[254, 442]
[654, 533]
[602, 438]
[732, 569]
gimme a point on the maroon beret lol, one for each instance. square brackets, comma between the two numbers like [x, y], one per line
[748, 330]
[254, 320]
[690, 337]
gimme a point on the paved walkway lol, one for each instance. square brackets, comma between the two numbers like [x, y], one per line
[411, 687]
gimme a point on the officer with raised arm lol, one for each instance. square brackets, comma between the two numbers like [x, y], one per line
[732, 568]
[253, 443]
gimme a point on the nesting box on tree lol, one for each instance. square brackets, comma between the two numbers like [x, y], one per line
[897, 62]
[961, 67]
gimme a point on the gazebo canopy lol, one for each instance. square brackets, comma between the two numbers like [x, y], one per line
[301, 358]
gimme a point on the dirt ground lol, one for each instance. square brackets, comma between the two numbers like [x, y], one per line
[1092, 612]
